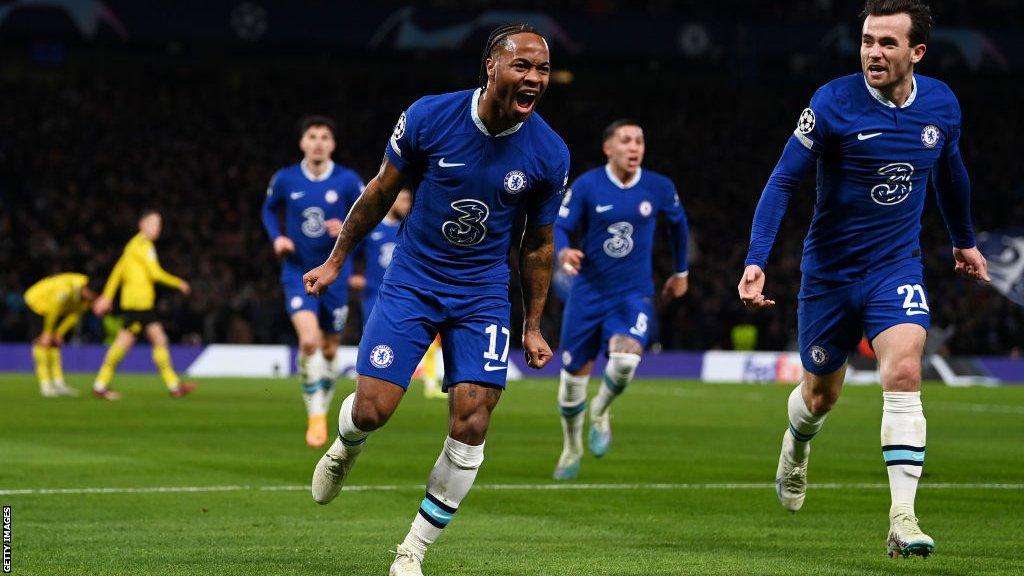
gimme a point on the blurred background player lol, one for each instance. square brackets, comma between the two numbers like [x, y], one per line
[59, 301]
[315, 195]
[376, 251]
[480, 158]
[616, 208]
[136, 273]
[877, 139]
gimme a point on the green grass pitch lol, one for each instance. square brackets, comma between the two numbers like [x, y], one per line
[686, 488]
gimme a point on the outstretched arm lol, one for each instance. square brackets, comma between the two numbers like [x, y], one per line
[371, 207]
[536, 256]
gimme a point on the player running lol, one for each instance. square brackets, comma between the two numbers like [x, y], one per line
[478, 158]
[877, 138]
[315, 195]
[59, 301]
[376, 251]
[136, 274]
[609, 306]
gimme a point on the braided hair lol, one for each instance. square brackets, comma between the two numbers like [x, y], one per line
[498, 36]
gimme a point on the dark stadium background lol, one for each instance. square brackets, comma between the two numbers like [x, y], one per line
[106, 108]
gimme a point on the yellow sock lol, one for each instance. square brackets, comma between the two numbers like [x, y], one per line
[162, 359]
[40, 357]
[114, 356]
[56, 367]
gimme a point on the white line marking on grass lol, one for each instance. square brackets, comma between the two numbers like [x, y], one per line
[501, 487]
[991, 408]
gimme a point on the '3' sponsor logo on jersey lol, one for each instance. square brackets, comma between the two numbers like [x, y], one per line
[897, 186]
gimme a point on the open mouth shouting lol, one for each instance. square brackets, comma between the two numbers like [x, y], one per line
[876, 72]
[525, 100]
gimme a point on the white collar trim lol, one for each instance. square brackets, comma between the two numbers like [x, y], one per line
[632, 181]
[886, 102]
[327, 173]
[480, 123]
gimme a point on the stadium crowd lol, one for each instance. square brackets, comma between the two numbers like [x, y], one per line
[86, 146]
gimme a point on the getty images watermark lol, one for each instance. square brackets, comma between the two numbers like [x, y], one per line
[7, 539]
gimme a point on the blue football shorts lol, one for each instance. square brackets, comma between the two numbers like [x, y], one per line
[590, 320]
[474, 329]
[833, 317]
[331, 307]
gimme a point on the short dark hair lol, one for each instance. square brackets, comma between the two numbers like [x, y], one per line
[609, 130]
[148, 211]
[919, 12]
[308, 122]
[496, 38]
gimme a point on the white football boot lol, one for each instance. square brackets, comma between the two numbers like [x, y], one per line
[905, 536]
[568, 467]
[65, 390]
[791, 476]
[406, 563]
[330, 472]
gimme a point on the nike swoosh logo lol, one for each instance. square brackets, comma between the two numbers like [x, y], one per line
[862, 136]
[917, 456]
[490, 368]
[601, 209]
[444, 164]
[915, 312]
[297, 195]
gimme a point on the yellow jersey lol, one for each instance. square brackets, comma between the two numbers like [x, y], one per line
[136, 273]
[56, 296]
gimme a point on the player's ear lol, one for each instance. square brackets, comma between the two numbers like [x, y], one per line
[917, 53]
[492, 68]
[606, 148]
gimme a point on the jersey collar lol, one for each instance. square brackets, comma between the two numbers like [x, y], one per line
[632, 181]
[877, 95]
[327, 173]
[480, 123]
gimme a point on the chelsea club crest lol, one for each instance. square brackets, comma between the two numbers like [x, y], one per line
[515, 182]
[930, 136]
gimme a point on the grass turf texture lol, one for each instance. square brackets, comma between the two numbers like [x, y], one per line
[249, 433]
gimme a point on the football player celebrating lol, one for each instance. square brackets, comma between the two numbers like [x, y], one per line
[876, 139]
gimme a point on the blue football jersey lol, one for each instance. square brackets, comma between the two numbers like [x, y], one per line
[874, 161]
[308, 202]
[618, 223]
[378, 248]
[469, 187]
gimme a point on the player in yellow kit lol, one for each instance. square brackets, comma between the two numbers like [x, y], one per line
[59, 300]
[136, 274]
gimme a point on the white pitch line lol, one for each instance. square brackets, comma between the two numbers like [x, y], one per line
[503, 487]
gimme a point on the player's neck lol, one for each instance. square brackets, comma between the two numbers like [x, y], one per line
[899, 92]
[493, 116]
[316, 168]
[623, 176]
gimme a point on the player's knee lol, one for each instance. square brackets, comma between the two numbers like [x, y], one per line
[369, 415]
[903, 376]
[308, 346]
[822, 401]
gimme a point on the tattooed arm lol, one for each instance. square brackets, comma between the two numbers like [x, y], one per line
[371, 207]
[535, 260]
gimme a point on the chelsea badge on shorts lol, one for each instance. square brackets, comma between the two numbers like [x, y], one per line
[382, 356]
[818, 355]
[515, 182]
